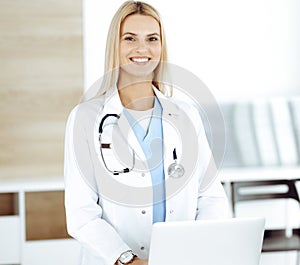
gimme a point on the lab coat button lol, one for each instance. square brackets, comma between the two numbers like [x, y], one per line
[143, 212]
[143, 174]
[142, 248]
[171, 211]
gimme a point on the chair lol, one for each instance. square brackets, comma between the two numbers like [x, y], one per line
[274, 239]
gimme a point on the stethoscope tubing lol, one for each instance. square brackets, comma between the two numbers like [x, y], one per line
[175, 170]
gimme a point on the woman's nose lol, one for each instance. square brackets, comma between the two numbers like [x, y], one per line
[141, 47]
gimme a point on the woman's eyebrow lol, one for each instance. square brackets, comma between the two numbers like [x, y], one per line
[153, 34]
[129, 33]
[134, 34]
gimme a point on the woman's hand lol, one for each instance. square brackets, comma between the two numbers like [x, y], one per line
[138, 261]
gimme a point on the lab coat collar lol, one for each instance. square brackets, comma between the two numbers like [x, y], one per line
[170, 114]
[113, 102]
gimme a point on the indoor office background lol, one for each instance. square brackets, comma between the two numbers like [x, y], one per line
[246, 52]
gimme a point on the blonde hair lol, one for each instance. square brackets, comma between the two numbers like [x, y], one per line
[112, 59]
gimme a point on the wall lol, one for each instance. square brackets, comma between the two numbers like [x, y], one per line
[41, 79]
[240, 49]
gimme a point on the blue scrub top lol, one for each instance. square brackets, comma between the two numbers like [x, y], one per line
[151, 142]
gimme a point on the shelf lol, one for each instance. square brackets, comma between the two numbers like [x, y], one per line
[12, 244]
[57, 251]
[45, 215]
[9, 204]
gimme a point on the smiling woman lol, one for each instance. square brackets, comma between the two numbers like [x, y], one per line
[140, 48]
[124, 33]
[140, 51]
[124, 154]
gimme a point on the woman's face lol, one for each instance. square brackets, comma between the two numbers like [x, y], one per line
[140, 46]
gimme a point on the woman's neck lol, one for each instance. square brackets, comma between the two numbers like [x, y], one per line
[137, 96]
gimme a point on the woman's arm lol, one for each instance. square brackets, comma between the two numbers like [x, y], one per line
[213, 202]
[84, 214]
[212, 199]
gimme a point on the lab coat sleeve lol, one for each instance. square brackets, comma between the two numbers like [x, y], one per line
[212, 200]
[83, 213]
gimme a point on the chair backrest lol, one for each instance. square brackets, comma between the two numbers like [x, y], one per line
[240, 192]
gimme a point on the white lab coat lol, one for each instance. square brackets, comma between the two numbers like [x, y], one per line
[104, 226]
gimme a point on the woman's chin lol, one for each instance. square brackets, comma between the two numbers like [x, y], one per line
[139, 70]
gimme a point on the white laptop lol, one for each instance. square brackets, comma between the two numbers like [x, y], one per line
[236, 241]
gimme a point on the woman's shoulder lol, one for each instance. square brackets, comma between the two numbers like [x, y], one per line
[86, 112]
[88, 107]
[186, 105]
[192, 110]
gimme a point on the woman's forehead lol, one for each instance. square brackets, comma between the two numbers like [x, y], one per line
[140, 24]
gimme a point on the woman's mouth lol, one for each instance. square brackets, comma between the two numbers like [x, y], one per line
[140, 59]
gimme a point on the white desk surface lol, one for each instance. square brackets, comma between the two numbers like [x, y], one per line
[31, 184]
[263, 173]
[225, 175]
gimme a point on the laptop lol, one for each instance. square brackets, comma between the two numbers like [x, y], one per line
[236, 241]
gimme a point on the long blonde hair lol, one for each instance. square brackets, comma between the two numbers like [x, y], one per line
[112, 59]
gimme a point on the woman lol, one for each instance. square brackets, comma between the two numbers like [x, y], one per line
[116, 188]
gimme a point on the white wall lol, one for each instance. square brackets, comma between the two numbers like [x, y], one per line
[240, 49]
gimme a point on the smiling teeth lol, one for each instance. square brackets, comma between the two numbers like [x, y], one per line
[140, 60]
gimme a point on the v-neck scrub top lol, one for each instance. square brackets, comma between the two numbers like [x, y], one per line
[151, 141]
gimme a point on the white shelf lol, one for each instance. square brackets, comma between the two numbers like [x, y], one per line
[31, 184]
[14, 248]
[10, 246]
[51, 252]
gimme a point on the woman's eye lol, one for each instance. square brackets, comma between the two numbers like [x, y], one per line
[153, 39]
[129, 38]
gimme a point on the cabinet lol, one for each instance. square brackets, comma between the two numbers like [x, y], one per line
[9, 221]
[32, 223]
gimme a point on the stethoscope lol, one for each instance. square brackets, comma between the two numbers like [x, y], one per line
[175, 170]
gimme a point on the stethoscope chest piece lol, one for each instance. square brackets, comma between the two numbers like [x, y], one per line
[175, 170]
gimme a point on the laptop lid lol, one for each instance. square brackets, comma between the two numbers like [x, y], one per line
[233, 241]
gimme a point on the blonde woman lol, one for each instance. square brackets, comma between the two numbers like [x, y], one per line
[123, 149]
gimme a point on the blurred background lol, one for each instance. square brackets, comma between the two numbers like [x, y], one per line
[246, 52]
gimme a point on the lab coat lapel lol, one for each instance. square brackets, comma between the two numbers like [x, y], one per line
[113, 105]
[170, 124]
[130, 137]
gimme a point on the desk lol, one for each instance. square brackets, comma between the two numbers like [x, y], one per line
[262, 173]
[229, 176]
[267, 184]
